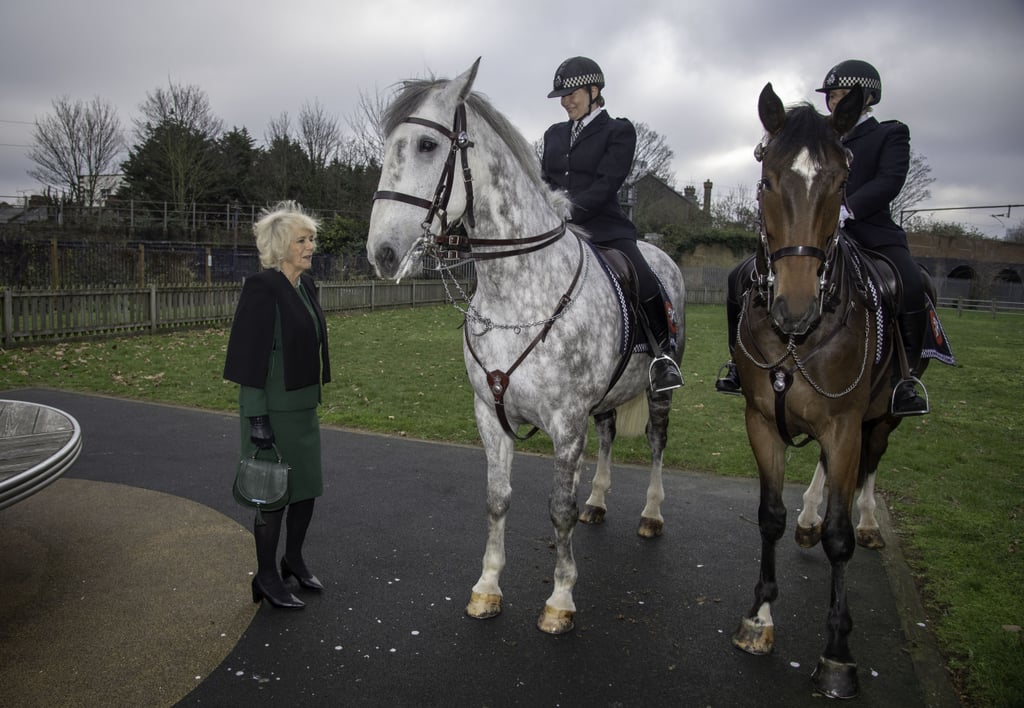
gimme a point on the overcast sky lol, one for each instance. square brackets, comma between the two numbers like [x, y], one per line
[692, 71]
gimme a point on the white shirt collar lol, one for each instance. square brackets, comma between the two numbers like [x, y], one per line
[591, 116]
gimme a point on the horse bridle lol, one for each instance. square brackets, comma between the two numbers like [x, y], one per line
[766, 283]
[448, 244]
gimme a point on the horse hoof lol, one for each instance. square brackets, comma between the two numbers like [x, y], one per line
[592, 514]
[754, 636]
[483, 605]
[555, 621]
[870, 538]
[649, 528]
[808, 537]
[835, 679]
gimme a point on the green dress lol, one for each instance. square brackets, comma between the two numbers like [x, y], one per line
[293, 418]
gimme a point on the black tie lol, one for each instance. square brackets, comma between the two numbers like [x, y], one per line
[576, 129]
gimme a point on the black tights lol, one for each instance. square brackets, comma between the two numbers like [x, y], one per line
[268, 536]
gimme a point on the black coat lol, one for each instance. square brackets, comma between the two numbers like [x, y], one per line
[592, 172]
[881, 159]
[306, 361]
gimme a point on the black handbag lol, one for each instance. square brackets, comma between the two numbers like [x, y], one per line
[262, 484]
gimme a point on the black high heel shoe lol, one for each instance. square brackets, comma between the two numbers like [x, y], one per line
[285, 601]
[310, 582]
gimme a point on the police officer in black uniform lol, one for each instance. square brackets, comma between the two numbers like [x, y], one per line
[881, 159]
[589, 156]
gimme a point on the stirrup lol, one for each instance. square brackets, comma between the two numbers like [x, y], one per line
[917, 411]
[672, 377]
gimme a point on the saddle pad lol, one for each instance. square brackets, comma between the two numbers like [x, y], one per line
[936, 343]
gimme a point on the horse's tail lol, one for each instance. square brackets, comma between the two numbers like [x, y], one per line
[631, 417]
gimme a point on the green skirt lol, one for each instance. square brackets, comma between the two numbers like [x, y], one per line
[297, 436]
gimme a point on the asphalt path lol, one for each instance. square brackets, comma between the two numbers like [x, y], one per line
[397, 538]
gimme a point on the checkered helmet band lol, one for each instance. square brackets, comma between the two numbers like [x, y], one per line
[574, 82]
[834, 81]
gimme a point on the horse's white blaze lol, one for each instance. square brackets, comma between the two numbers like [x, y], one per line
[806, 167]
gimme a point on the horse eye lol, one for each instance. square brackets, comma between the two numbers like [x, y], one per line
[427, 145]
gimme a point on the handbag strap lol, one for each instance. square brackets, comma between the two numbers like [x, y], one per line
[272, 445]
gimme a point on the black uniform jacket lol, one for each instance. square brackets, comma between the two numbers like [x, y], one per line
[267, 297]
[881, 158]
[592, 172]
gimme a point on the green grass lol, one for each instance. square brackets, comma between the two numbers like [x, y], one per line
[953, 480]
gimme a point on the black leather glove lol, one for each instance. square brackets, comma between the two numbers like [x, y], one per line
[260, 432]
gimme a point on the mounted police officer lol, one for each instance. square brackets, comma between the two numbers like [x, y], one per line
[878, 170]
[590, 156]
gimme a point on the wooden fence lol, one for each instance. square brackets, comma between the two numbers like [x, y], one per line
[37, 316]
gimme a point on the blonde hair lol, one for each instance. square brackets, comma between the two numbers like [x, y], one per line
[276, 229]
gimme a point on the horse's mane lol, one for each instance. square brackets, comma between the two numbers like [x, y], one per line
[805, 127]
[414, 92]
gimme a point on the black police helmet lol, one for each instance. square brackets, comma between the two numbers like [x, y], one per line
[574, 73]
[849, 73]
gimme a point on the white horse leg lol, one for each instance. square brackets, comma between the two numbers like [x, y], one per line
[485, 600]
[559, 609]
[808, 524]
[652, 523]
[596, 506]
[868, 533]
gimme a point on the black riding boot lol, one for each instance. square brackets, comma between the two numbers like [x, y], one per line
[729, 381]
[905, 399]
[267, 583]
[664, 372]
[292, 563]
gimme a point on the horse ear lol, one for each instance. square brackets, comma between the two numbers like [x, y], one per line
[770, 110]
[467, 78]
[848, 110]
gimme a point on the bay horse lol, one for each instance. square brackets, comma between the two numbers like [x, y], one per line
[544, 343]
[816, 355]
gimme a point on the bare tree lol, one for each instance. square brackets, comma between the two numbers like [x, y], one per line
[279, 128]
[319, 134]
[177, 132]
[75, 146]
[652, 156]
[185, 106]
[915, 189]
[737, 209]
[366, 145]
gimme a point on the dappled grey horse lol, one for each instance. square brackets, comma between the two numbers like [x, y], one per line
[545, 341]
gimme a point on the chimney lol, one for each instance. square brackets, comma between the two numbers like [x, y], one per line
[690, 192]
[707, 196]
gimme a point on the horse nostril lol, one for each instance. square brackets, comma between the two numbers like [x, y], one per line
[386, 258]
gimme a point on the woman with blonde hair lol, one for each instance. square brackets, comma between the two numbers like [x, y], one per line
[277, 353]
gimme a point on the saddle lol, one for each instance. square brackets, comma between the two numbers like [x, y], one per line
[621, 270]
[872, 269]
